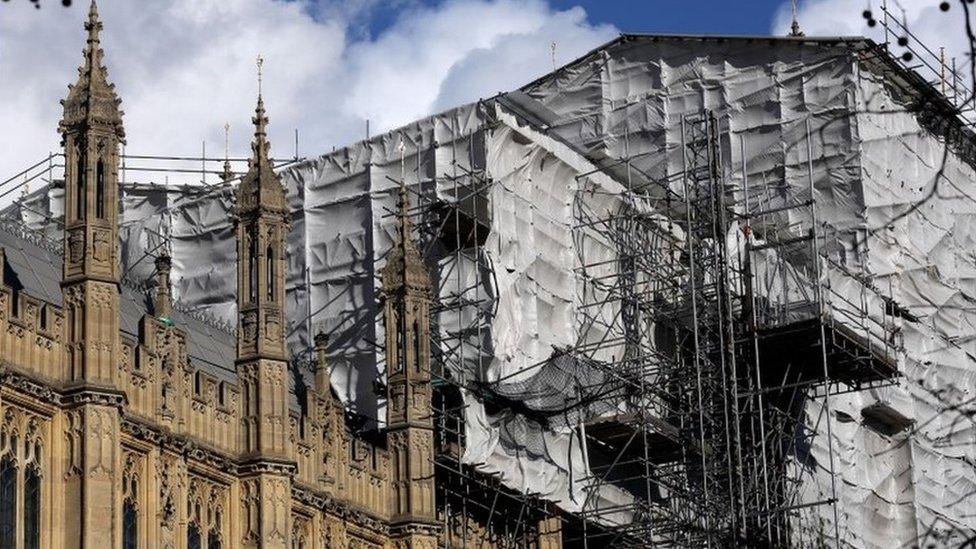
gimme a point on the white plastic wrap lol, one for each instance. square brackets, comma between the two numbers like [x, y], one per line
[871, 165]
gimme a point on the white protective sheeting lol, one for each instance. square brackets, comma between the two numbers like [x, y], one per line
[871, 164]
[794, 115]
[530, 246]
[917, 213]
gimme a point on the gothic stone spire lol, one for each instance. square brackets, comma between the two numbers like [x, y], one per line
[261, 187]
[262, 355]
[405, 269]
[91, 131]
[92, 101]
[406, 294]
[262, 230]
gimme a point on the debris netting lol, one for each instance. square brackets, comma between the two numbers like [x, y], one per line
[793, 115]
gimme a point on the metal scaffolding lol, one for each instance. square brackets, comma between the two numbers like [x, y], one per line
[711, 340]
[698, 405]
[704, 327]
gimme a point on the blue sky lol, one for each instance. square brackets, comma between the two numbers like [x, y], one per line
[674, 16]
[664, 16]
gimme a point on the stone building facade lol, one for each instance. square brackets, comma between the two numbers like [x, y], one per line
[119, 429]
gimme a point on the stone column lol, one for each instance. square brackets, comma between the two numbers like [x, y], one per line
[92, 472]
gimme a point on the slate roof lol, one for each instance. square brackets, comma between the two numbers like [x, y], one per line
[33, 265]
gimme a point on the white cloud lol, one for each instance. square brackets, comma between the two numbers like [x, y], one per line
[185, 67]
[924, 19]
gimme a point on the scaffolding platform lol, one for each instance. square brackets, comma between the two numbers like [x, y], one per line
[792, 354]
[621, 435]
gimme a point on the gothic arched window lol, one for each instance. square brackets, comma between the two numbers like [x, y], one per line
[204, 514]
[213, 537]
[193, 540]
[80, 187]
[269, 273]
[8, 502]
[130, 508]
[32, 507]
[299, 533]
[252, 266]
[130, 525]
[100, 189]
[20, 480]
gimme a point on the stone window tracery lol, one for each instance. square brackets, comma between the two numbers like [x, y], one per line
[300, 533]
[205, 512]
[131, 481]
[20, 480]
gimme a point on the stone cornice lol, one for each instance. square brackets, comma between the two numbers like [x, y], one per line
[421, 528]
[78, 396]
[341, 509]
[179, 444]
[60, 396]
[260, 466]
[29, 386]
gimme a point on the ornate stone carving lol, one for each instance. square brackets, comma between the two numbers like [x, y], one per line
[131, 477]
[334, 533]
[102, 295]
[102, 246]
[168, 479]
[101, 443]
[76, 245]
[273, 328]
[280, 498]
[249, 324]
[301, 531]
[73, 434]
[250, 517]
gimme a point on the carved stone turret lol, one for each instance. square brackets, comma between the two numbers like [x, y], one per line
[262, 228]
[406, 295]
[91, 131]
[261, 216]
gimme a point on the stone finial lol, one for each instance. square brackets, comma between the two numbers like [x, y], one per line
[323, 383]
[228, 174]
[92, 101]
[795, 25]
[261, 187]
[163, 304]
[405, 268]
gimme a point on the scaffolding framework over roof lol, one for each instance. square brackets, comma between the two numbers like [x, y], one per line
[708, 310]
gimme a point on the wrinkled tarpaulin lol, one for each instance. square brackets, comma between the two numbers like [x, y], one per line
[870, 164]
